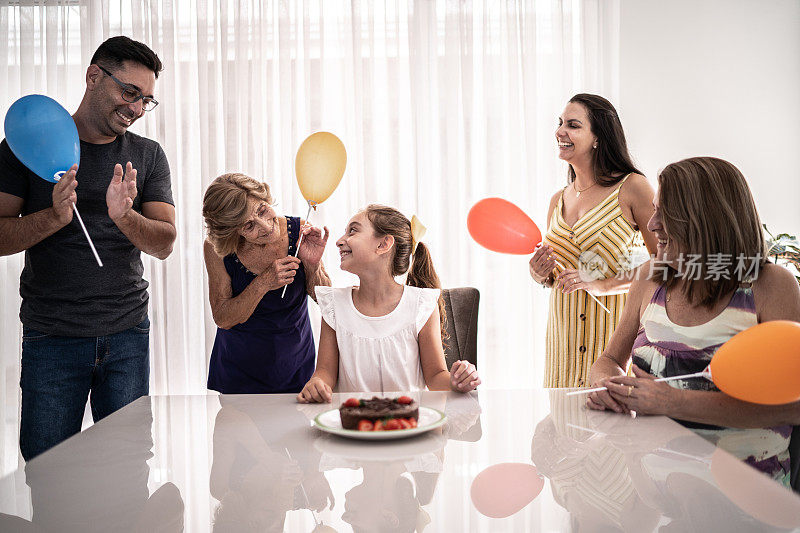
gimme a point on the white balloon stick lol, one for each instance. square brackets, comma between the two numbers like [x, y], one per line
[704, 374]
[305, 494]
[91, 244]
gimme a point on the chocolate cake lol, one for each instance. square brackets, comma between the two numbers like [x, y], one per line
[376, 409]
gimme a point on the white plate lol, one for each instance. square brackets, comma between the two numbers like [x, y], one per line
[429, 419]
[367, 452]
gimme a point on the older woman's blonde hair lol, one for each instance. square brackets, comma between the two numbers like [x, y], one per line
[707, 209]
[225, 209]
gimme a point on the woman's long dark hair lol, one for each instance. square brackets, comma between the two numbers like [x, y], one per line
[612, 161]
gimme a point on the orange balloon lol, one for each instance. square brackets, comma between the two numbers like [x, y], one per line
[761, 364]
[501, 226]
[506, 488]
[754, 493]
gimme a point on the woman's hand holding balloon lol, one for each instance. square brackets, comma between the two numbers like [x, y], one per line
[312, 245]
[643, 393]
[281, 272]
[120, 194]
[64, 196]
[602, 400]
[542, 263]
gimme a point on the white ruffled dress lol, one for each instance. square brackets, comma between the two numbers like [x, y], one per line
[378, 352]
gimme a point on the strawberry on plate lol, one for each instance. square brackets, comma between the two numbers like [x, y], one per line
[392, 424]
[352, 402]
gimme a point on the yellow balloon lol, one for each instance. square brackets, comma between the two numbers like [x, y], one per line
[319, 166]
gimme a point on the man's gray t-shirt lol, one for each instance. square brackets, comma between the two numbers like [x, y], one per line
[64, 291]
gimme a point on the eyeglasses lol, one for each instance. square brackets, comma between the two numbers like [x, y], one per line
[132, 94]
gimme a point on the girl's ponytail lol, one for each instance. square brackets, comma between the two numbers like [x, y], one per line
[422, 274]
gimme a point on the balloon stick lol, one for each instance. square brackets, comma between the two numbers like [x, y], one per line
[305, 494]
[297, 248]
[704, 374]
[91, 244]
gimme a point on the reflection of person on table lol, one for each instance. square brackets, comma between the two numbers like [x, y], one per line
[393, 491]
[389, 499]
[588, 477]
[620, 474]
[594, 226]
[381, 335]
[675, 321]
[393, 494]
[254, 478]
[264, 342]
[91, 484]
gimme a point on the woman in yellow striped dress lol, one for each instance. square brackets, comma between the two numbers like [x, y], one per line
[596, 224]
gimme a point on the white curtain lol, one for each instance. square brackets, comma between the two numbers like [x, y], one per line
[439, 103]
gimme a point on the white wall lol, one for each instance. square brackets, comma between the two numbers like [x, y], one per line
[721, 78]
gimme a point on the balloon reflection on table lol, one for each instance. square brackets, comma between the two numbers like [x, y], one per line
[763, 499]
[506, 488]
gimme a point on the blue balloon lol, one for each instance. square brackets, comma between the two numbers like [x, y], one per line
[43, 136]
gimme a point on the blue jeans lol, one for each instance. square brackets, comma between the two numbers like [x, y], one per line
[59, 372]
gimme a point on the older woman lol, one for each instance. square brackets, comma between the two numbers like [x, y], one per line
[596, 224]
[264, 342]
[708, 282]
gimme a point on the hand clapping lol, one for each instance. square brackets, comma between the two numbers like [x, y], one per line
[121, 193]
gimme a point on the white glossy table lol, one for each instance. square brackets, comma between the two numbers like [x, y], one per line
[254, 463]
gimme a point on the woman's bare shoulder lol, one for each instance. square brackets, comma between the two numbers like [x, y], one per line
[636, 189]
[643, 286]
[776, 293]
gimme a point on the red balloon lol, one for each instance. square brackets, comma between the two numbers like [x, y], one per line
[501, 226]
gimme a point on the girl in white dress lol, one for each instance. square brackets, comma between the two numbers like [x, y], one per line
[381, 335]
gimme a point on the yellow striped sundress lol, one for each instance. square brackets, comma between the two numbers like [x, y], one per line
[577, 328]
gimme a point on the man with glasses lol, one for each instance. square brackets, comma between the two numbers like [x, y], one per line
[85, 328]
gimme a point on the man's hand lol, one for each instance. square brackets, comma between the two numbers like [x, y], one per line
[120, 193]
[64, 196]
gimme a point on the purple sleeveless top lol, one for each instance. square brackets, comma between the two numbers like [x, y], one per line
[666, 349]
[273, 351]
